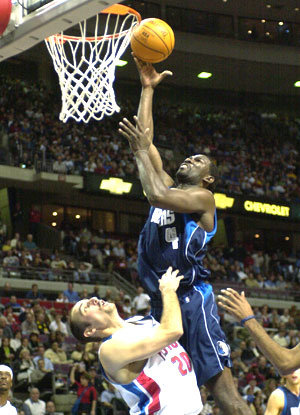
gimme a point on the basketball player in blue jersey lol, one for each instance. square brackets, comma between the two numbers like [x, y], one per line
[285, 400]
[181, 222]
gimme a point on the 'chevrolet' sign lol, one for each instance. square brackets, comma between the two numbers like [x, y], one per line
[266, 208]
[115, 185]
[222, 201]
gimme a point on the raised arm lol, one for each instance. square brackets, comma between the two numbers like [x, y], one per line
[134, 343]
[193, 200]
[149, 80]
[285, 360]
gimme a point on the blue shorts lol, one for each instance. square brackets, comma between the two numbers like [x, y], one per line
[203, 338]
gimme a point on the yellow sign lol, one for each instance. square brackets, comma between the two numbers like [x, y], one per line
[115, 185]
[266, 208]
[222, 201]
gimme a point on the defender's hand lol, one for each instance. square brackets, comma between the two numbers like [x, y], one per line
[235, 303]
[170, 280]
[138, 137]
[148, 75]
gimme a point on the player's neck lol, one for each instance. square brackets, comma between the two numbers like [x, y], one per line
[3, 397]
[293, 388]
[187, 185]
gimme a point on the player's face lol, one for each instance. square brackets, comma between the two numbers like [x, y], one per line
[293, 378]
[94, 310]
[193, 169]
[5, 381]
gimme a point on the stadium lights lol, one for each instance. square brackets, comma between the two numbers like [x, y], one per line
[121, 63]
[257, 235]
[297, 84]
[263, 21]
[54, 213]
[54, 224]
[204, 75]
[280, 23]
[77, 216]
[287, 238]
[296, 9]
[249, 32]
[268, 6]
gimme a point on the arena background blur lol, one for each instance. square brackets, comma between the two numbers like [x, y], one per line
[71, 205]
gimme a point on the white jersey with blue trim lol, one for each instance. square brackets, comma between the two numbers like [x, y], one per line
[167, 384]
[172, 239]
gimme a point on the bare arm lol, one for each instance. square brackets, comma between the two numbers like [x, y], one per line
[135, 344]
[149, 80]
[72, 374]
[275, 403]
[286, 360]
[192, 200]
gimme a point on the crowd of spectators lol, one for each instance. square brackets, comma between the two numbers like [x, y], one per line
[36, 342]
[257, 153]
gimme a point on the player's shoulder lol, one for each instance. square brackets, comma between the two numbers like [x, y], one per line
[277, 396]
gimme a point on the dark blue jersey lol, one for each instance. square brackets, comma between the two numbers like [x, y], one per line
[291, 402]
[172, 239]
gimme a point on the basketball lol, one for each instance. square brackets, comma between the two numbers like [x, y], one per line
[152, 40]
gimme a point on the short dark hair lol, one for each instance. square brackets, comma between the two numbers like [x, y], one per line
[213, 171]
[78, 327]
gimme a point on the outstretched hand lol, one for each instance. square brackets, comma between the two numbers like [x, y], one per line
[235, 303]
[138, 137]
[148, 75]
[170, 280]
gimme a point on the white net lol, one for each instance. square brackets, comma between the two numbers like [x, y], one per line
[86, 66]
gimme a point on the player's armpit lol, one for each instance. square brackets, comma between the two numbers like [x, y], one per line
[128, 347]
[275, 403]
[192, 200]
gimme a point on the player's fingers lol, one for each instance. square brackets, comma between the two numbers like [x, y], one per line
[124, 134]
[231, 293]
[226, 300]
[138, 124]
[175, 272]
[128, 127]
[166, 73]
[224, 306]
[180, 277]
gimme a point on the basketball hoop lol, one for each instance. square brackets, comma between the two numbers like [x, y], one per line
[86, 65]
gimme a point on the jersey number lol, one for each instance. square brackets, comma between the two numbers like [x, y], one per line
[171, 237]
[184, 363]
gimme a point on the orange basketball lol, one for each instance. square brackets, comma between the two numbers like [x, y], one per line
[152, 40]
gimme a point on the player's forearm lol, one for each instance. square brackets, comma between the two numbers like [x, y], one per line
[285, 360]
[151, 182]
[171, 320]
[145, 109]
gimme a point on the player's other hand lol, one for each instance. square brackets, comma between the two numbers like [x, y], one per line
[137, 136]
[236, 304]
[170, 280]
[148, 75]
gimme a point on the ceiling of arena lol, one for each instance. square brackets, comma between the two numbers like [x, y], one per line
[236, 65]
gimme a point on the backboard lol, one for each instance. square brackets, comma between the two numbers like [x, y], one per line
[31, 21]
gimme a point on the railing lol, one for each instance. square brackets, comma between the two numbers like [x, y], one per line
[287, 294]
[59, 275]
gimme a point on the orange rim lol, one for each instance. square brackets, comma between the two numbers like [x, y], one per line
[114, 9]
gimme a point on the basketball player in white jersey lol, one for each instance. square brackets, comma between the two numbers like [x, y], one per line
[141, 357]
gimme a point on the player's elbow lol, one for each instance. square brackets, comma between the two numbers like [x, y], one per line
[174, 335]
[157, 198]
[287, 363]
